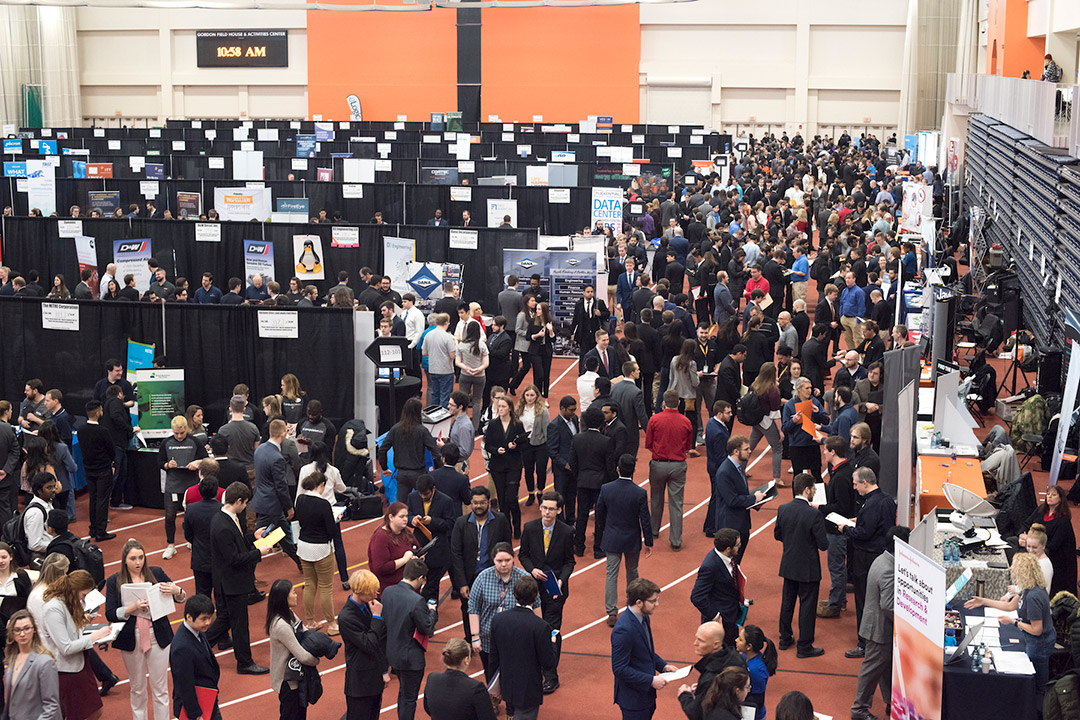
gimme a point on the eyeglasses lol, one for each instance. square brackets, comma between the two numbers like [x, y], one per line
[19, 631]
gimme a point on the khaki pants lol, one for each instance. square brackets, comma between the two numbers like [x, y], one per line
[850, 325]
[798, 291]
[319, 575]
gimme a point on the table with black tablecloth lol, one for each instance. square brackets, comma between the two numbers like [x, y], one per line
[993, 696]
[144, 478]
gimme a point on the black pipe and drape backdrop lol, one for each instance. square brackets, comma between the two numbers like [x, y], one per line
[34, 243]
[218, 347]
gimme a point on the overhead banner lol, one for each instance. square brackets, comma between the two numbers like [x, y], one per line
[307, 257]
[607, 208]
[398, 253]
[305, 146]
[259, 260]
[499, 208]
[130, 257]
[86, 252]
[918, 208]
[160, 398]
[564, 275]
[918, 634]
[243, 204]
[41, 186]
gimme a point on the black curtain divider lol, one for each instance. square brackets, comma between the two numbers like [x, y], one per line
[34, 243]
[218, 346]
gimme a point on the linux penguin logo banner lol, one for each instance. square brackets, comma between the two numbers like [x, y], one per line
[308, 253]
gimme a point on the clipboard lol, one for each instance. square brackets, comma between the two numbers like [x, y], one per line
[770, 491]
[552, 583]
[422, 551]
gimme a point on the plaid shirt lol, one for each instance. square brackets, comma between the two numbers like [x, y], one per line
[490, 595]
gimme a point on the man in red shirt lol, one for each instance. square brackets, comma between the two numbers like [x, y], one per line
[669, 436]
[756, 282]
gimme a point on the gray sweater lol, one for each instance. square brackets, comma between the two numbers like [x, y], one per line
[283, 645]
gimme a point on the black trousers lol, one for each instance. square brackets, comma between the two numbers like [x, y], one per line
[204, 582]
[288, 546]
[100, 485]
[363, 708]
[9, 498]
[806, 458]
[566, 485]
[507, 484]
[232, 616]
[552, 610]
[807, 595]
[289, 705]
[408, 690]
[862, 561]
[435, 574]
[406, 482]
[586, 501]
[646, 389]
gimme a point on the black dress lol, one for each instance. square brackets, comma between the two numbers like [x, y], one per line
[1060, 548]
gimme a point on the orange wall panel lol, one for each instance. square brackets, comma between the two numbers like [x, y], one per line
[397, 63]
[562, 63]
[1007, 32]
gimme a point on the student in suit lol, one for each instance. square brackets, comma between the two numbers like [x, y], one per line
[716, 592]
[234, 559]
[30, 683]
[801, 529]
[815, 363]
[560, 436]
[271, 500]
[502, 438]
[623, 511]
[363, 631]
[547, 546]
[624, 291]
[406, 615]
[591, 462]
[453, 695]
[197, 519]
[608, 356]
[717, 434]
[471, 542]
[631, 402]
[590, 315]
[522, 650]
[192, 659]
[436, 512]
[733, 497]
[62, 620]
[501, 366]
[634, 661]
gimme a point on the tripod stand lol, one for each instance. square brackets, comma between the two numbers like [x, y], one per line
[1013, 371]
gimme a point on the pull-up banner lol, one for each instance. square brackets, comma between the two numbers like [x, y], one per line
[564, 275]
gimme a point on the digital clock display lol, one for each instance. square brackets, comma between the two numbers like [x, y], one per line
[242, 48]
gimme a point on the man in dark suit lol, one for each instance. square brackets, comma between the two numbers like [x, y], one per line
[717, 435]
[592, 463]
[234, 559]
[624, 289]
[729, 378]
[560, 436]
[501, 366]
[364, 632]
[716, 593]
[192, 660]
[827, 312]
[197, 522]
[801, 528]
[733, 497]
[641, 297]
[649, 363]
[614, 428]
[801, 322]
[407, 615]
[116, 418]
[436, 513]
[815, 363]
[522, 652]
[471, 542]
[271, 500]
[623, 510]
[840, 498]
[609, 356]
[774, 273]
[634, 661]
[590, 315]
[631, 401]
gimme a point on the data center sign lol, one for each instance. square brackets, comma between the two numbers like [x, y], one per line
[242, 48]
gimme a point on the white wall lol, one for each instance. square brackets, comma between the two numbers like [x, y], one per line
[774, 64]
[141, 65]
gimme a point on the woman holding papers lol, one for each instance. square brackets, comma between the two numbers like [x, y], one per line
[281, 626]
[1029, 600]
[62, 620]
[320, 461]
[315, 547]
[31, 682]
[134, 596]
[799, 415]
[391, 546]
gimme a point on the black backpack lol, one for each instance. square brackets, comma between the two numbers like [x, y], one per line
[14, 534]
[88, 557]
[749, 410]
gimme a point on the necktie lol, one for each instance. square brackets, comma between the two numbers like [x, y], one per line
[547, 539]
[648, 632]
[740, 581]
[603, 356]
[204, 643]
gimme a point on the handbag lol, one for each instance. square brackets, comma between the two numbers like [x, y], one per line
[689, 404]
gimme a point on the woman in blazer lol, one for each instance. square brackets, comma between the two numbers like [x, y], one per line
[63, 619]
[525, 327]
[453, 695]
[533, 413]
[143, 644]
[364, 634]
[15, 586]
[502, 439]
[30, 686]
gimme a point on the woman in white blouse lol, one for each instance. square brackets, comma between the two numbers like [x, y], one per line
[1035, 539]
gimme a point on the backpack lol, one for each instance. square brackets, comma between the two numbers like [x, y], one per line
[748, 410]
[14, 534]
[88, 557]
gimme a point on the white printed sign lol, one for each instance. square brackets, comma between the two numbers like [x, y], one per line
[60, 316]
[208, 232]
[463, 239]
[279, 324]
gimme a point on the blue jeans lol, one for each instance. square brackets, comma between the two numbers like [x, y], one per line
[1038, 652]
[837, 558]
[439, 388]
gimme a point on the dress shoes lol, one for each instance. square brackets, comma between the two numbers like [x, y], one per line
[810, 653]
[856, 652]
[252, 669]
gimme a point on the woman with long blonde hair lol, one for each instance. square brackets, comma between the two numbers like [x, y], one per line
[30, 683]
[293, 399]
[533, 413]
[62, 621]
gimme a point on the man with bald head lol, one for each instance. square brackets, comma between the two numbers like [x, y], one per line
[788, 335]
[851, 372]
[715, 656]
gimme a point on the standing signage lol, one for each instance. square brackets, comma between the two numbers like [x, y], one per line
[607, 208]
[918, 634]
[140, 356]
[188, 204]
[259, 260]
[564, 274]
[41, 185]
[130, 257]
[918, 208]
[243, 204]
[160, 398]
[307, 257]
[104, 200]
[86, 252]
[305, 146]
[498, 208]
[397, 254]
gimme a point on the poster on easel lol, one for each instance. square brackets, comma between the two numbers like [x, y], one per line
[86, 254]
[563, 275]
[398, 253]
[160, 398]
[918, 634]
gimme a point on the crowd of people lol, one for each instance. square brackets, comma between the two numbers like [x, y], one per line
[716, 328]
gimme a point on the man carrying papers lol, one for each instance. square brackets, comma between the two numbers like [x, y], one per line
[195, 670]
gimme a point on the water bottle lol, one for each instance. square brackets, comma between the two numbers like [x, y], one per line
[946, 552]
[954, 456]
[976, 662]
